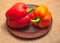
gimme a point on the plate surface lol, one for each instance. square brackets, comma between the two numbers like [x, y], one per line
[31, 32]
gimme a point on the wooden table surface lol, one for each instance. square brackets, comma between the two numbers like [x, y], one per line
[52, 37]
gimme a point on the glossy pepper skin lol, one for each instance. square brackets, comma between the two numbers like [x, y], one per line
[41, 17]
[20, 23]
[17, 11]
[17, 16]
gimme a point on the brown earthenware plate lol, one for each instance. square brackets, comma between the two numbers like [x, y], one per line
[30, 32]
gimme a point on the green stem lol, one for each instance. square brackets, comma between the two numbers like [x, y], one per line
[29, 10]
[38, 19]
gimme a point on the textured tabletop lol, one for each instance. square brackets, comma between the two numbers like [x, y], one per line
[52, 37]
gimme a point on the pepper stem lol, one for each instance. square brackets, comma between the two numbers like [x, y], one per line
[38, 19]
[29, 10]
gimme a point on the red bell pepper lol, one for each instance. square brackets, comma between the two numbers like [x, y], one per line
[41, 17]
[17, 11]
[18, 16]
[19, 23]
